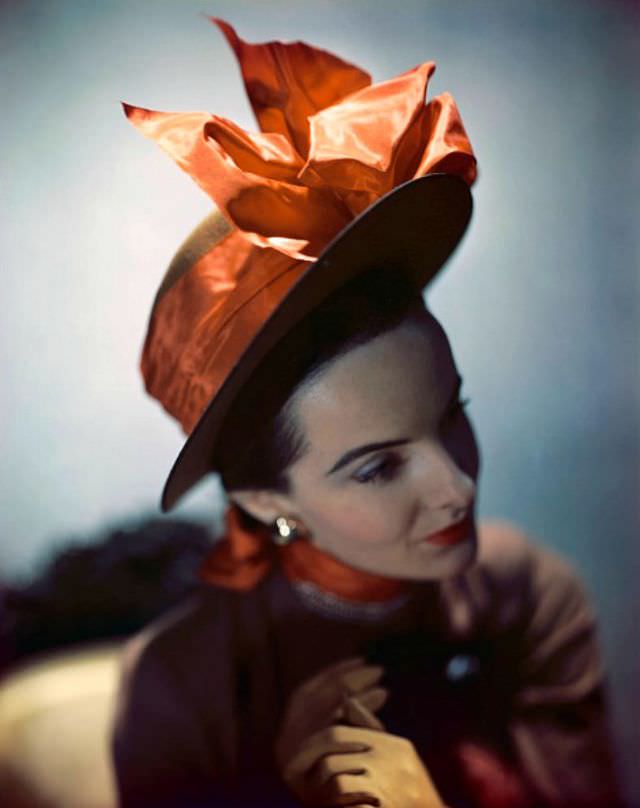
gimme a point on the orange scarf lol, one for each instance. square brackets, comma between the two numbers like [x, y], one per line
[243, 557]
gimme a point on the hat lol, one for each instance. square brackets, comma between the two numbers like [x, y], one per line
[344, 176]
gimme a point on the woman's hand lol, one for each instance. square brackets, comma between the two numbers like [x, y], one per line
[355, 766]
[323, 700]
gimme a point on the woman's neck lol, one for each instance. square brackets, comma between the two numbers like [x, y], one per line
[333, 606]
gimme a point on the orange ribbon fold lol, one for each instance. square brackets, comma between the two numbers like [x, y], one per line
[330, 144]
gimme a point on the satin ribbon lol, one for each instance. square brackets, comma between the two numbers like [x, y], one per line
[330, 144]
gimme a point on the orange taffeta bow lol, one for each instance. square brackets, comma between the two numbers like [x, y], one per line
[330, 144]
[244, 556]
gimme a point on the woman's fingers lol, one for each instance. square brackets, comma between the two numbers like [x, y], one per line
[359, 679]
[352, 674]
[307, 758]
[329, 694]
[330, 766]
[322, 695]
[372, 700]
[313, 703]
[358, 714]
[347, 789]
[335, 671]
[349, 766]
[330, 741]
[320, 702]
[325, 689]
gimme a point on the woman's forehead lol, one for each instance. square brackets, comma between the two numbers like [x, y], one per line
[394, 382]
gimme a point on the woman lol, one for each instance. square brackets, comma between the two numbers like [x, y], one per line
[359, 640]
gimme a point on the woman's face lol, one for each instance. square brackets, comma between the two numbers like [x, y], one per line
[391, 458]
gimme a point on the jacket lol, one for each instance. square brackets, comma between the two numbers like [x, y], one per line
[505, 655]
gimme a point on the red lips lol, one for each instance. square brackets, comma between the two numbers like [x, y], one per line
[452, 534]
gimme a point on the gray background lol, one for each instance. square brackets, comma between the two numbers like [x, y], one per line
[541, 301]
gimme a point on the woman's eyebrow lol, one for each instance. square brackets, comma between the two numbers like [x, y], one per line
[354, 454]
[367, 448]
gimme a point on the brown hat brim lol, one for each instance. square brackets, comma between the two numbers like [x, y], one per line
[414, 228]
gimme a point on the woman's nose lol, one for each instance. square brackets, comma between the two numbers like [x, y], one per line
[445, 485]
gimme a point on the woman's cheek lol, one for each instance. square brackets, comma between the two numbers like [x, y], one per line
[361, 525]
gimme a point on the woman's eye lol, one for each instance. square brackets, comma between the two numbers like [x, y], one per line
[380, 471]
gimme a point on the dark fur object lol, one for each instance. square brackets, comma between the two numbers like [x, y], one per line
[103, 590]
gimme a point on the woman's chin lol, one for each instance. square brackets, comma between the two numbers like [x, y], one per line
[434, 563]
[424, 562]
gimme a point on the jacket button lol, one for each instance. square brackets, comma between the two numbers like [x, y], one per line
[461, 667]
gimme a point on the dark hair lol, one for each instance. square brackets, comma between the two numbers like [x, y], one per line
[260, 438]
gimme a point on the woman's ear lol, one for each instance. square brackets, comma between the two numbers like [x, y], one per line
[264, 505]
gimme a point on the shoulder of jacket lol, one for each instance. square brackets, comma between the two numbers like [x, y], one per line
[504, 549]
[515, 577]
[198, 623]
[508, 554]
[536, 578]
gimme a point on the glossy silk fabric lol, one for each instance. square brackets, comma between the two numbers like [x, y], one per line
[243, 557]
[331, 143]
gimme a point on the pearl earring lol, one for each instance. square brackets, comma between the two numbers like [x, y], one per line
[286, 530]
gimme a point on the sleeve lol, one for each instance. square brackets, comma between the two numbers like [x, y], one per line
[159, 752]
[176, 737]
[559, 722]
